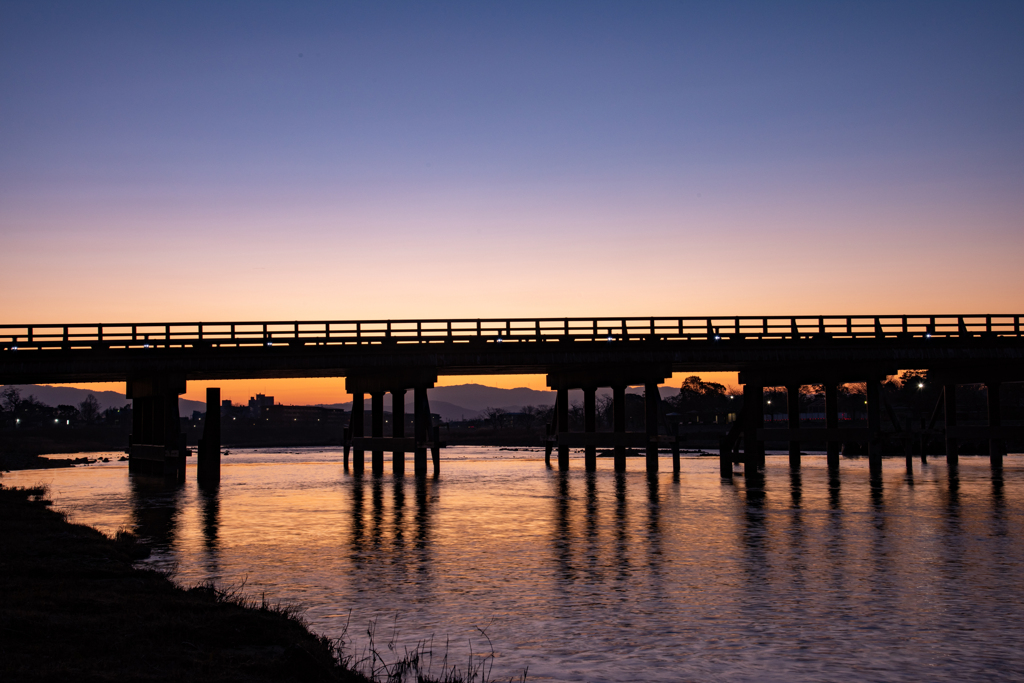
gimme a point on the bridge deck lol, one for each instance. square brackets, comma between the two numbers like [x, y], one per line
[141, 335]
[852, 346]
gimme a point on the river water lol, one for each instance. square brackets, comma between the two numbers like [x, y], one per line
[605, 577]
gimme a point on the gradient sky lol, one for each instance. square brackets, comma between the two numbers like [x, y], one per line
[241, 161]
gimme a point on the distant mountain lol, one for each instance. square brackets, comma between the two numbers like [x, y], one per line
[55, 396]
[468, 401]
[460, 402]
[480, 397]
[449, 412]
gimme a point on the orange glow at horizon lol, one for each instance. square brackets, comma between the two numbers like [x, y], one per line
[329, 390]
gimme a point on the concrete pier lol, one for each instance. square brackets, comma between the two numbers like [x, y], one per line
[398, 430]
[995, 444]
[208, 455]
[590, 426]
[753, 413]
[562, 413]
[874, 399]
[356, 430]
[396, 383]
[832, 423]
[589, 379]
[619, 427]
[377, 431]
[652, 401]
[793, 413]
[949, 406]
[156, 445]
[421, 428]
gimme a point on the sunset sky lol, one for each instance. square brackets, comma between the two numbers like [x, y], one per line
[247, 161]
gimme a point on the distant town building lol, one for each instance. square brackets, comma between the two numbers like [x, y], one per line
[308, 415]
[258, 403]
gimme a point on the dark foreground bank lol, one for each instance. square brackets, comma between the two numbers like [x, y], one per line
[73, 608]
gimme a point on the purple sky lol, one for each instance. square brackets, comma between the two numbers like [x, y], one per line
[168, 161]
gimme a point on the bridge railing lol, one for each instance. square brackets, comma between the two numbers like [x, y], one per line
[501, 330]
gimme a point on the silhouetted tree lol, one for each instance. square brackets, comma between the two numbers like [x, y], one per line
[11, 399]
[697, 397]
[605, 410]
[577, 417]
[89, 409]
[496, 416]
[68, 414]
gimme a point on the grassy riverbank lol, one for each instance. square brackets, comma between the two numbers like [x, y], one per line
[73, 608]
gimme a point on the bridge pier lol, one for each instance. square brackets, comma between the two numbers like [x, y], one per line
[619, 419]
[421, 418]
[208, 455]
[435, 450]
[590, 426]
[995, 445]
[618, 378]
[377, 431]
[397, 383]
[562, 412]
[652, 401]
[156, 445]
[874, 400]
[793, 413]
[832, 422]
[357, 430]
[753, 447]
[398, 429]
[949, 406]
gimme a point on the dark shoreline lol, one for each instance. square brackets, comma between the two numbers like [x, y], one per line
[72, 607]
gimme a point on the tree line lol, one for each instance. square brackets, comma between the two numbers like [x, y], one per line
[28, 412]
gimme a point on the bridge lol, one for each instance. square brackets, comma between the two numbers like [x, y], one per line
[376, 357]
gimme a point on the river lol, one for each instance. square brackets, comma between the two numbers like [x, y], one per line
[606, 577]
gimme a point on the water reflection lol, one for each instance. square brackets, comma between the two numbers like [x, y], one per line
[651, 576]
[796, 531]
[621, 526]
[592, 542]
[155, 509]
[795, 488]
[383, 535]
[953, 535]
[835, 547]
[587, 551]
[422, 522]
[754, 536]
[654, 533]
[563, 540]
[376, 517]
[357, 526]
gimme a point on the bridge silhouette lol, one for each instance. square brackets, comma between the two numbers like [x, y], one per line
[376, 357]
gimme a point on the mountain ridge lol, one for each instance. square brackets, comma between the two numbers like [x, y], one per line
[452, 403]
